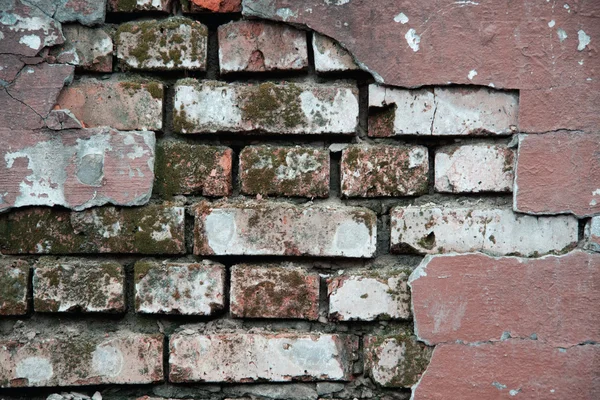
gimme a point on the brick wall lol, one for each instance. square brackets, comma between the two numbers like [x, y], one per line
[202, 202]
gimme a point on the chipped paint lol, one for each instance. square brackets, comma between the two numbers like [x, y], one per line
[584, 40]
[401, 18]
[35, 369]
[472, 74]
[562, 35]
[413, 39]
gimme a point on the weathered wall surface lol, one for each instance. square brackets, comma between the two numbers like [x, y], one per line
[318, 199]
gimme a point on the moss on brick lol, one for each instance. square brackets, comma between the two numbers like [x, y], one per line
[13, 281]
[272, 105]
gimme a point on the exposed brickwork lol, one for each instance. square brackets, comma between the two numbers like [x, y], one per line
[284, 171]
[253, 228]
[118, 358]
[14, 278]
[433, 229]
[370, 295]
[287, 356]
[124, 105]
[88, 48]
[249, 46]
[66, 285]
[384, 171]
[330, 56]
[151, 229]
[474, 168]
[184, 168]
[174, 43]
[272, 291]
[217, 6]
[592, 234]
[179, 288]
[211, 106]
[139, 5]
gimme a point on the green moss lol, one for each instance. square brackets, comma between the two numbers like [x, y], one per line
[427, 241]
[13, 280]
[181, 123]
[126, 5]
[155, 89]
[272, 105]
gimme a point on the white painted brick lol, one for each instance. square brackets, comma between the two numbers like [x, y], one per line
[330, 56]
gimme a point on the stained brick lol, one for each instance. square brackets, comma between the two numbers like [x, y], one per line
[86, 12]
[70, 285]
[395, 360]
[179, 288]
[274, 291]
[474, 168]
[277, 357]
[330, 56]
[216, 6]
[270, 228]
[374, 171]
[286, 171]
[139, 5]
[369, 295]
[86, 359]
[441, 111]
[14, 280]
[256, 46]
[121, 105]
[62, 119]
[438, 229]
[558, 173]
[512, 368]
[553, 299]
[278, 108]
[90, 49]
[169, 44]
[184, 168]
[87, 167]
[153, 229]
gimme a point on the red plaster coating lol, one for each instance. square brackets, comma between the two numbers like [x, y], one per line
[512, 369]
[509, 44]
[476, 298]
[558, 173]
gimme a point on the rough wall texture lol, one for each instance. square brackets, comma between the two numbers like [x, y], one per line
[316, 199]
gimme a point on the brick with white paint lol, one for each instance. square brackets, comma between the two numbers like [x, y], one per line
[77, 285]
[278, 108]
[330, 56]
[88, 48]
[88, 167]
[274, 291]
[124, 105]
[474, 168]
[476, 298]
[139, 5]
[14, 281]
[442, 229]
[441, 111]
[592, 234]
[179, 288]
[78, 360]
[276, 357]
[169, 44]
[257, 46]
[274, 228]
[369, 295]
[287, 171]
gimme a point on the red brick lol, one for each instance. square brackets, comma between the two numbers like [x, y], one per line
[477, 298]
[168, 44]
[153, 229]
[136, 6]
[184, 168]
[10, 65]
[275, 108]
[369, 295]
[14, 280]
[276, 357]
[558, 173]
[217, 6]
[474, 168]
[524, 369]
[256, 46]
[395, 360]
[376, 171]
[179, 288]
[284, 171]
[86, 359]
[90, 49]
[71, 285]
[30, 97]
[432, 229]
[62, 119]
[88, 167]
[273, 228]
[274, 291]
[124, 105]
